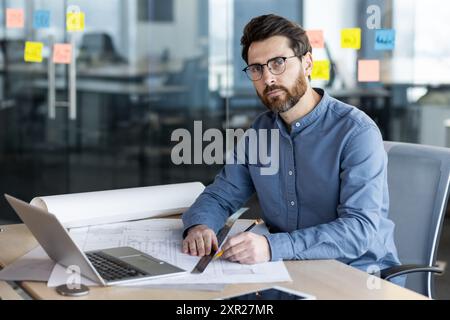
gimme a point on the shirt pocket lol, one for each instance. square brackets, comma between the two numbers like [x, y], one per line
[268, 189]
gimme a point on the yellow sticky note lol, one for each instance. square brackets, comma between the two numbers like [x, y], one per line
[368, 70]
[62, 53]
[75, 21]
[351, 38]
[15, 18]
[33, 51]
[316, 38]
[321, 70]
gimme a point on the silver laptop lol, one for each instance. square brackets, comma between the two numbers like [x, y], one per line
[109, 266]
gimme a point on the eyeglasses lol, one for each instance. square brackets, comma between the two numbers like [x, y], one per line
[275, 65]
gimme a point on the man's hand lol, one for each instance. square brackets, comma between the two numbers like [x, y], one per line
[247, 248]
[199, 241]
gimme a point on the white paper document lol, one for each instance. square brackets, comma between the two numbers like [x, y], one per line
[162, 238]
[34, 265]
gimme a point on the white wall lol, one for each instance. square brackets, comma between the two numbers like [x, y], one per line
[180, 36]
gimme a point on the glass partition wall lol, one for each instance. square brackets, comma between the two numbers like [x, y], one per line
[140, 70]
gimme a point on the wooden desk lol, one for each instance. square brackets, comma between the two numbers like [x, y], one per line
[115, 87]
[8, 293]
[109, 71]
[326, 279]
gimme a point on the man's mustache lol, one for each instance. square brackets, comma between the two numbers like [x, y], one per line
[272, 88]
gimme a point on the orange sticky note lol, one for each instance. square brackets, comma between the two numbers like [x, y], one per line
[62, 53]
[321, 70]
[351, 38]
[368, 70]
[316, 38]
[15, 18]
[33, 51]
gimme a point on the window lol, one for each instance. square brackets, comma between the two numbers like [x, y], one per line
[155, 10]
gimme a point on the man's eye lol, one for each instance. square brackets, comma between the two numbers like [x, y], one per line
[278, 61]
[254, 69]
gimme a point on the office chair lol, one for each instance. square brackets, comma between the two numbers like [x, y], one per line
[418, 179]
[98, 47]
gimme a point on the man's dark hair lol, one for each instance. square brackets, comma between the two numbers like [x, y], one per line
[266, 26]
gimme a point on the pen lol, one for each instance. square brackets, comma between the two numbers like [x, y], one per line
[256, 222]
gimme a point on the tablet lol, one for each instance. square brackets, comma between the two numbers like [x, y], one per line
[272, 293]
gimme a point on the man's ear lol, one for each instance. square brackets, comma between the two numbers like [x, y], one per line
[307, 64]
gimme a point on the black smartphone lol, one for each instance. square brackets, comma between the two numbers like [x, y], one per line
[274, 293]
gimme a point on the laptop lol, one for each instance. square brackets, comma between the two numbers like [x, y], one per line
[108, 266]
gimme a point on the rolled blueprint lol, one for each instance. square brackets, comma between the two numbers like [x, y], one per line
[100, 207]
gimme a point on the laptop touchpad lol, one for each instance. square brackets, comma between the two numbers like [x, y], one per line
[148, 265]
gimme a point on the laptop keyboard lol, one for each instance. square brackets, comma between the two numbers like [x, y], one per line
[110, 269]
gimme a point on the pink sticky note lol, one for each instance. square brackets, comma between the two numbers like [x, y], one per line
[15, 18]
[368, 70]
[316, 38]
[62, 53]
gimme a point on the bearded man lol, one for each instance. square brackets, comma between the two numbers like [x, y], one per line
[329, 198]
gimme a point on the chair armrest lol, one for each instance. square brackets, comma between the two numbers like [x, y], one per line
[396, 271]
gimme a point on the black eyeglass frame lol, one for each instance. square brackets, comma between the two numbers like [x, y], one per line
[268, 68]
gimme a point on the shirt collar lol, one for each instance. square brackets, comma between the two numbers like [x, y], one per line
[303, 122]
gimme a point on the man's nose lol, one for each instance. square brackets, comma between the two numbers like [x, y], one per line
[268, 77]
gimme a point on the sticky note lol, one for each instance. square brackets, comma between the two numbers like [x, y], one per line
[75, 21]
[41, 19]
[368, 70]
[321, 70]
[351, 38]
[15, 18]
[33, 51]
[316, 38]
[385, 39]
[62, 53]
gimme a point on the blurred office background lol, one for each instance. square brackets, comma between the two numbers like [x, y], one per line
[147, 67]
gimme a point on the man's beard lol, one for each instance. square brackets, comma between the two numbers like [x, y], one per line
[279, 104]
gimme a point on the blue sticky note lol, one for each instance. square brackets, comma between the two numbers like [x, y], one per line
[41, 19]
[385, 39]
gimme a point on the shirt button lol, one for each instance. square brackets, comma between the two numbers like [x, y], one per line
[290, 173]
[292, 203]
[297, 124]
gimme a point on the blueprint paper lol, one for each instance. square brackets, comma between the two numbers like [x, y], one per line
[111, 206]
[162, 238]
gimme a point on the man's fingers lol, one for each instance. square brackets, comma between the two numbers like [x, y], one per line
[215, 243]
[240, 257]
[200, 241]
[234, 252]
[200, 246]
[247, 260]
[185, 246]
[192, 247]
[233, 241]
[207, 240]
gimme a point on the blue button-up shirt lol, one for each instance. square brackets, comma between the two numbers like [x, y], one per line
[329, 198]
